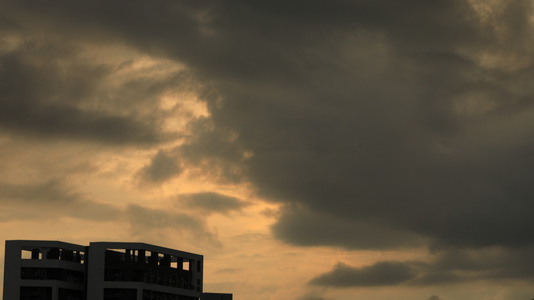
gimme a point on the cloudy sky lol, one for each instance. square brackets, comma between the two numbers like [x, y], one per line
[310, 150]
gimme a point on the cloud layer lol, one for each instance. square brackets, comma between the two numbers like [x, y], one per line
[379, 274]
[212, 202]
[373, 124]
[449, 267]
[48, 91]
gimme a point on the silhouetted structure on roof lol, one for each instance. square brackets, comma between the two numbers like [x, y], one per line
[214, 296]
[53, 270]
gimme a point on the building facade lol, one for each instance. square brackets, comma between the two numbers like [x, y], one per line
[42, 270]
[53, 270]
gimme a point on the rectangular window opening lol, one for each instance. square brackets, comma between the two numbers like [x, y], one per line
[186, 265]
[67, 255]
[79, 256]
[118, 250]
[26, 254]
[115, 255]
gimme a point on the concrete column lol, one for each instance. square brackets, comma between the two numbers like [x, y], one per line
[12, 264]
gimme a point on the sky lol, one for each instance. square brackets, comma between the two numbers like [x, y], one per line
[310, 150]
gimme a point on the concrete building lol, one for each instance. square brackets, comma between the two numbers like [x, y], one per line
[53, 270]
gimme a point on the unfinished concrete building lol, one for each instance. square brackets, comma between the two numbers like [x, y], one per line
[41, 270]
[53, 270]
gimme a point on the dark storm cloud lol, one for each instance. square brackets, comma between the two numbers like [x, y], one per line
[396, 127]
[52, 198]
[212, 202]
[212, 148]
[414, 115]
[43, 88]
[161, 168]
[379, 274]
[376, 116]
[307, 228]
[449, 267]
[492, 264]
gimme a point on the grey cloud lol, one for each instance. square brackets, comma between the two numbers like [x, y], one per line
[496, 263]
[51, 198]
[148, 220]
[393, 142]
[379, 274]
[155, 218]
[212, 202]
[212, 149]
[47, 91]
[161, 168]
[449, 267]
[440, 278]
[303, 227]
[389, 144]
[51, 192]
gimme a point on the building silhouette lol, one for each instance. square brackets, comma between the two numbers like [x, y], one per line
[53, 270]
[214, 296]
